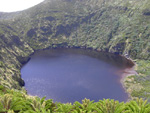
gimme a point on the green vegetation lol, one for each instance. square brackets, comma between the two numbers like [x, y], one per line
[13, 101]
[139, 85]
[114, 26]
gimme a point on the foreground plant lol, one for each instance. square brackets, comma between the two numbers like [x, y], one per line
[109, 106]
[13, 101]
[138, 106]
[84, 107]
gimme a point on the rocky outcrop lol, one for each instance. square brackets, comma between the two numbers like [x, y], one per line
[146, 12]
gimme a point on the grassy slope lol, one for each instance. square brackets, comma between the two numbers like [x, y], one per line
[108, 25]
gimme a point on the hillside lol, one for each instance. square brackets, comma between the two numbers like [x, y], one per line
[115, 26]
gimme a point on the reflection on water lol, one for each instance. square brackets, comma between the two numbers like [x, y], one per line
[69, 75]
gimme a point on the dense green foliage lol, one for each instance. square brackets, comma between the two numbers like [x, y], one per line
[139, 85]
[114, 26]
[13, 101]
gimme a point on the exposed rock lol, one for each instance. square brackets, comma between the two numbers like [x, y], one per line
[146, 12]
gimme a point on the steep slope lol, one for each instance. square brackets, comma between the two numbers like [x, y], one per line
[115, 26]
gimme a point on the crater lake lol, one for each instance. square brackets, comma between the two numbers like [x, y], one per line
[69, 75]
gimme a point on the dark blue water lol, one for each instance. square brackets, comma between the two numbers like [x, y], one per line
[69, 75]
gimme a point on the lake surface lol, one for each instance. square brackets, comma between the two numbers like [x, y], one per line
[69, 75]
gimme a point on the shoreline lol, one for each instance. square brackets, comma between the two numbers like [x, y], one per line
[126, 73]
